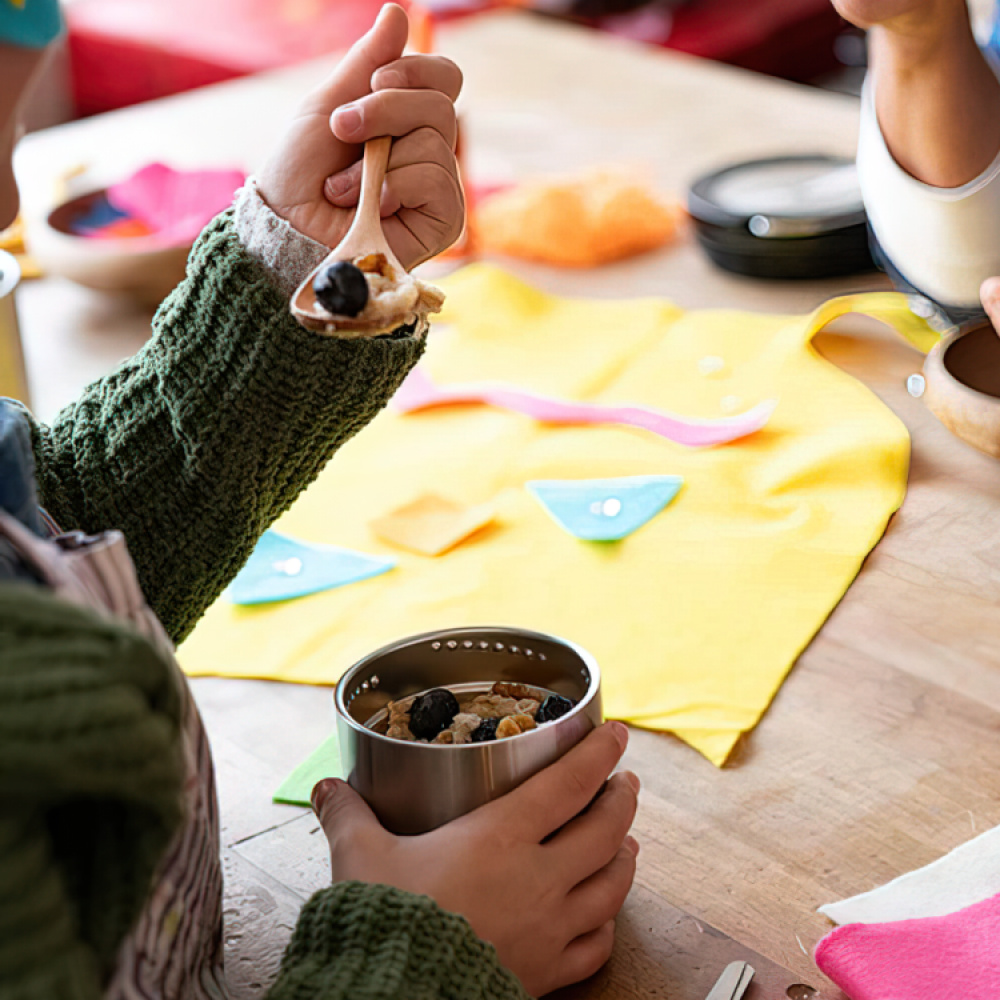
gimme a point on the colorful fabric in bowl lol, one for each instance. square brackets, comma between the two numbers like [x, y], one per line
[170, 207]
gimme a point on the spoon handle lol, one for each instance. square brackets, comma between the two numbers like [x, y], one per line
[368, 219]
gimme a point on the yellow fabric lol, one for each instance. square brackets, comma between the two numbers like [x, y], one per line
[698, 616]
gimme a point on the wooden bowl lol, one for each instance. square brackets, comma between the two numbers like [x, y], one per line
[141, 267]
[962, 373]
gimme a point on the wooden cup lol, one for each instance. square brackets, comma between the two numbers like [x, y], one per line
[962, 375]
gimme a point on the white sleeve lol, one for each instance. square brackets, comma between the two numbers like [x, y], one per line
[943, 241]
[287, 254]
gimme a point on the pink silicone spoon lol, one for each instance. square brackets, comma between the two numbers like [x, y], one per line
[418, 392]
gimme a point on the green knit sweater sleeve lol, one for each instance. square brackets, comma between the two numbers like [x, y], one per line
[91, 773]
[91, 776]
[200, 441]
[355, 941]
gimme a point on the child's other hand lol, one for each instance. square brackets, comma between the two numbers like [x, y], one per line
[313, 178]
[534, 874]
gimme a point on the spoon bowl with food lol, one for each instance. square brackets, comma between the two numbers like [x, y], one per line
[361, 288]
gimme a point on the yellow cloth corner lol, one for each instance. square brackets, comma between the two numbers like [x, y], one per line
[696, 618]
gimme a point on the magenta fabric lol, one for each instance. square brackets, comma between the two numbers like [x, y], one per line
[954, 957]
[175, 204]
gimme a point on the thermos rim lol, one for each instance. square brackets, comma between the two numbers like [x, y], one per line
[456, 633]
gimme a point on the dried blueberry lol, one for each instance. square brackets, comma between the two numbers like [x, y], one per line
[554, 707]
[485, 731]
[341, 288]
[432, 712]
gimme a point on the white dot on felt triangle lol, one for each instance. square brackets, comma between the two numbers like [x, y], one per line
[605, 510]
[266, 576]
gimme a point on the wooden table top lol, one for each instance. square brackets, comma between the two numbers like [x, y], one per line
[880, 752]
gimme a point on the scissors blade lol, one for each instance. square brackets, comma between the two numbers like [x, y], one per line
[733, 982]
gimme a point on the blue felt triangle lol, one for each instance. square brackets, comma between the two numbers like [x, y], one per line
[605, 510]
[281, 568]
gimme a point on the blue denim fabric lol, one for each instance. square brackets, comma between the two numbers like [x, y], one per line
[18, 496]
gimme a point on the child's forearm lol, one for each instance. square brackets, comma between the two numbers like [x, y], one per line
[938, 100]
[194, 446]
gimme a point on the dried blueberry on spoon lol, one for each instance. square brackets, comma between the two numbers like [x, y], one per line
[554, 707]
[341, 289]
[432, 712]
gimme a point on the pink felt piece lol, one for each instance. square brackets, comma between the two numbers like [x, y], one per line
[175, 204]
[954, 957]
[418, 392]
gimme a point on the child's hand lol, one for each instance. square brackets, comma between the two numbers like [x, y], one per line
[547, 905]
[313, 178]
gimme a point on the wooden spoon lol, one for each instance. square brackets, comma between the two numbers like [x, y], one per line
[365, 239]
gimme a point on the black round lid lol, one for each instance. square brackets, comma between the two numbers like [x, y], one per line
[783, 217]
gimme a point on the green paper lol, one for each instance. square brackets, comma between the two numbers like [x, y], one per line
[323, 762]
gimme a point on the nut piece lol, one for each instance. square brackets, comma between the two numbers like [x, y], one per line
[517, 691]
[527, 706]
[399, 711]
[508, 727]
[514, 725]
[492, 706]
[463, 726]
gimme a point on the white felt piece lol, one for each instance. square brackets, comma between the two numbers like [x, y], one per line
[969, 874]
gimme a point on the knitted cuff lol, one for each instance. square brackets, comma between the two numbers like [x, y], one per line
[363, 942]
[286, 254]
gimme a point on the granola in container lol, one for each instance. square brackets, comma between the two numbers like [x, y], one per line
[489, 712]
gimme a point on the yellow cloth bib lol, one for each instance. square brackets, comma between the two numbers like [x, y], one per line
[695, 618]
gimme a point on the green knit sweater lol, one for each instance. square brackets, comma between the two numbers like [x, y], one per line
[192, 448]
